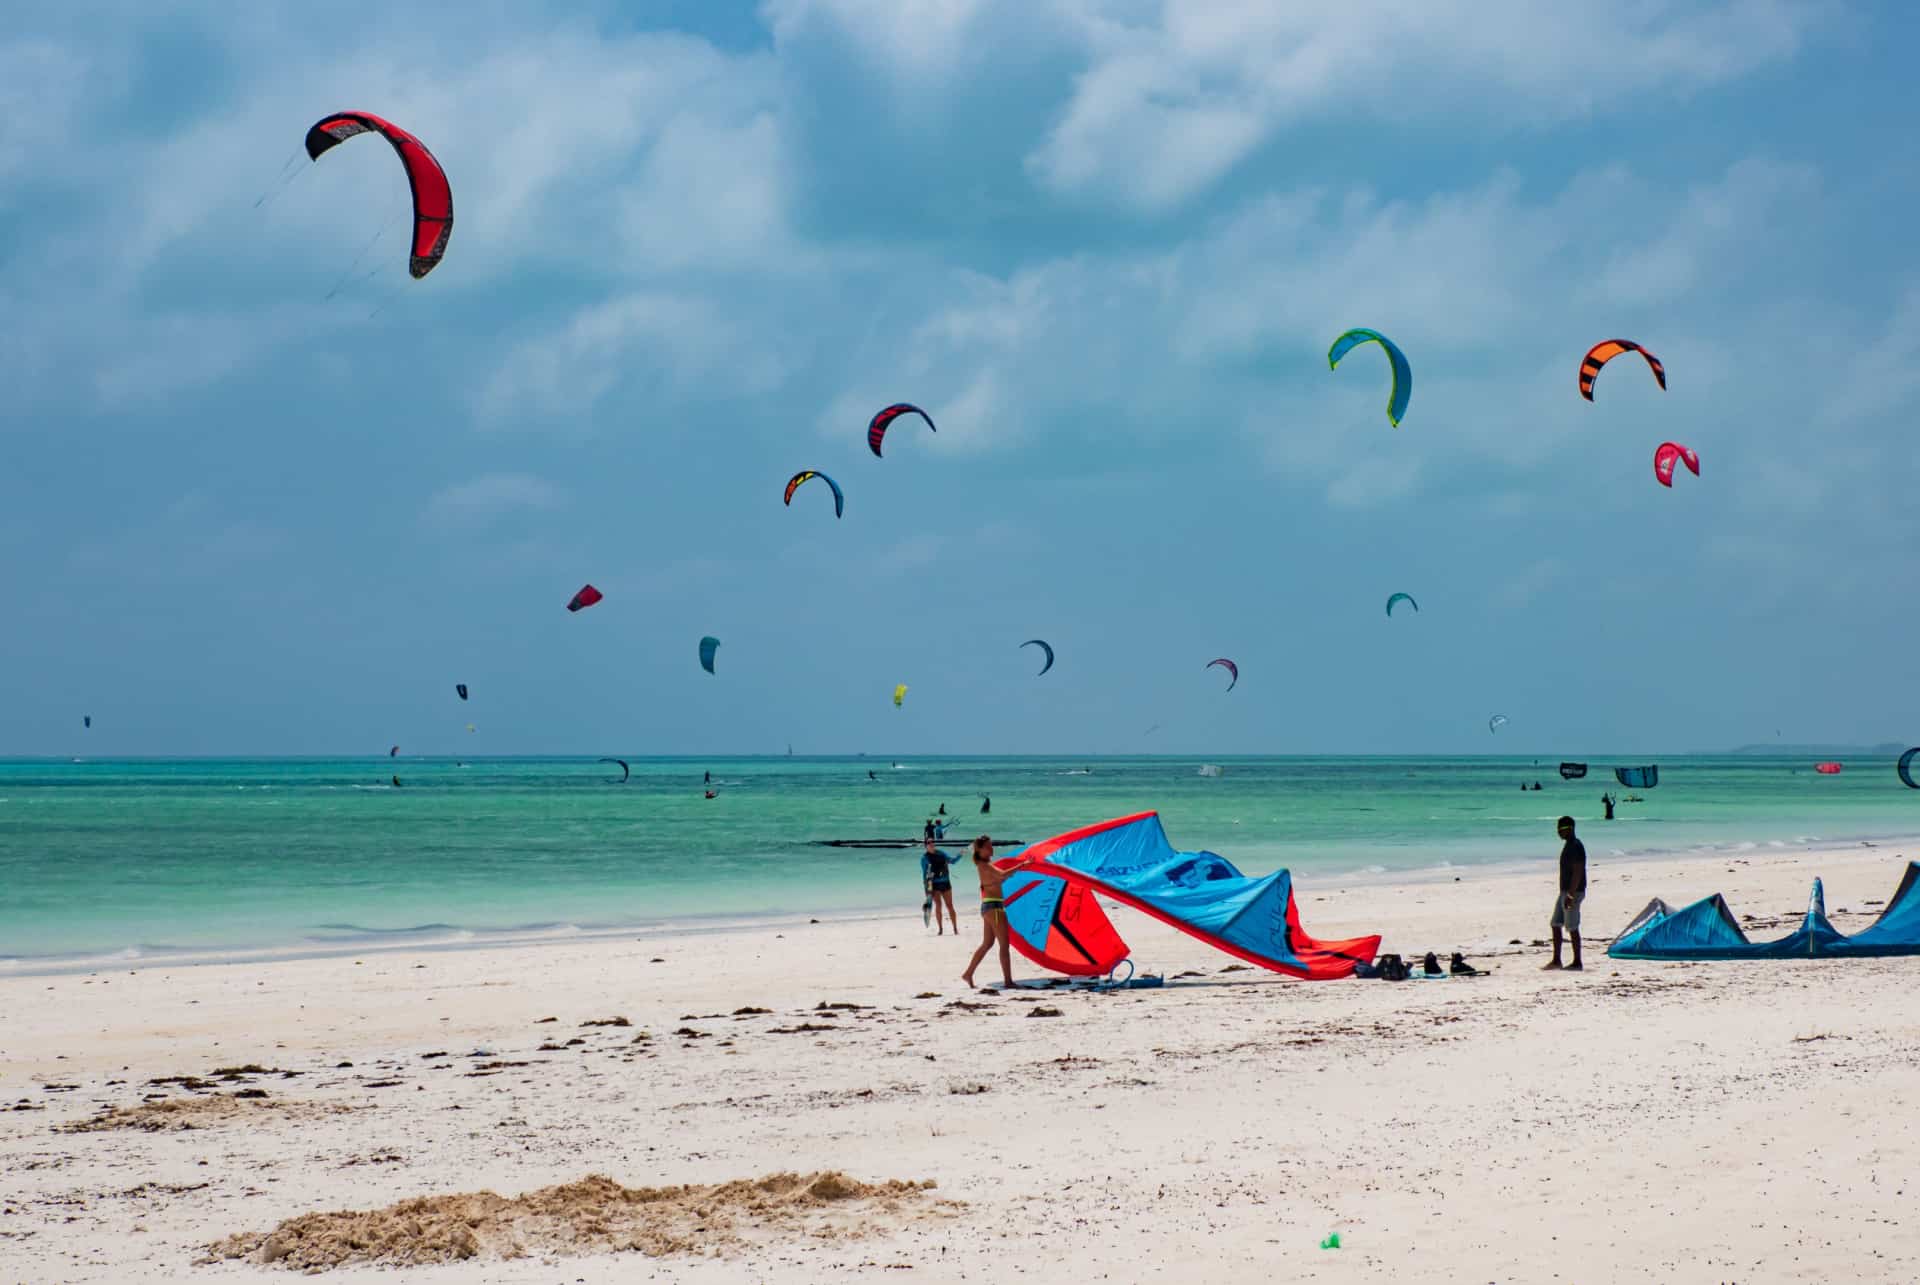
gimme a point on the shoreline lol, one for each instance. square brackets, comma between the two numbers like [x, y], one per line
[453, 938]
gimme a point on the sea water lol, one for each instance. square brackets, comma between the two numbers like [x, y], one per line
[160, 859]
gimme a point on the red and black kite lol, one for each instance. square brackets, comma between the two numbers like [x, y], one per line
[878, 425]
[432, 197]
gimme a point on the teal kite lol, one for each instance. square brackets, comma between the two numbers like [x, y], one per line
[708, 646]
[1402, 372]
[1401, 597]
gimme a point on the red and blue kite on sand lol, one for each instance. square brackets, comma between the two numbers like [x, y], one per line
[1053, 908]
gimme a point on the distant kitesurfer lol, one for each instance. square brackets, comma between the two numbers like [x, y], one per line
[986, 803]
[942, 810]
[993, 913]
[706, 778]
[712, 795]
[1606, 801]
[926, 834]
[396, 782]
[1573, 890]
[871, 776]
[936, 875]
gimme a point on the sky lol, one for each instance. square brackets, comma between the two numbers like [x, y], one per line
[262, 493]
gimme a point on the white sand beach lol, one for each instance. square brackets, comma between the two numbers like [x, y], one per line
[1638, 1122]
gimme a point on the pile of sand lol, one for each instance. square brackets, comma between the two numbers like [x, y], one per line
[593, 1215]
[196, 1113]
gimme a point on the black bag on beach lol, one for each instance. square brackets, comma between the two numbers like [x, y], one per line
[1390, 968]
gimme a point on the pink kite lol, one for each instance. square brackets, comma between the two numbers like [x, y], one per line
[1669, 454]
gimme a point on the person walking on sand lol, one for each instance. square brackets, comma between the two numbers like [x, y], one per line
[936, 872]
[1573, 890]
[993, 913]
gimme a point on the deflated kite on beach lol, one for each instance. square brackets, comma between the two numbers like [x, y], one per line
[1056, 920]
[1707, 930]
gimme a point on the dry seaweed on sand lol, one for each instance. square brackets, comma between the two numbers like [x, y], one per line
[593, 1215]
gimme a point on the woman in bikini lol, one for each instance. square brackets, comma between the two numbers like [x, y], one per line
[993, 912]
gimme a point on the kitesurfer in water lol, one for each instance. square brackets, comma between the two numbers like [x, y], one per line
[936, 874]
[1573, 891]
[993, 913]
[396, 782]
[712, 795]
[927, 832]
[706, 778]
[1606, 801]
[986, 803]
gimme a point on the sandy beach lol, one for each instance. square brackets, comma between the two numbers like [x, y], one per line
[1658, 1122]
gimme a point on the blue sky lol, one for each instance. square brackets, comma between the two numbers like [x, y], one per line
[1105, 244]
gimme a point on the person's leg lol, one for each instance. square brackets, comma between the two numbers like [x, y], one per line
[946, 899]
[1000, 932]
[1559, 917]
[1573, 932]
[980, 952]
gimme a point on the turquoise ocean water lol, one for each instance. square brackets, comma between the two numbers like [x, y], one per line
[149, 859]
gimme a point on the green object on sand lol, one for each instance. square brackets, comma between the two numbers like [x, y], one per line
[1332, 1241]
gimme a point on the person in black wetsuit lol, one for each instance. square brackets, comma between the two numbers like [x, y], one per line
[1573, 891]
[986, 803]
[936, 875]
[1606, 801]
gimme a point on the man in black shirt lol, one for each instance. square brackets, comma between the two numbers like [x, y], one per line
[1573, 890]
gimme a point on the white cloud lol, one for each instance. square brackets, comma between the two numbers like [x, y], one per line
[43, 84]
[649, 341]
[482, 499]
[1168, 106]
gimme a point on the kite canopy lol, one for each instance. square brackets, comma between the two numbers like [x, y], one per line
[708, 646]
[1056, 919]
[432, 197]
[1903, 766]
[1707, 929]
[625, 771]
[461, 688]
[1638, 778]
[587, 596]
[1605, 351]
[1668, 454]
[1497, 722]
[1401, 597]
[839, 496]
[1572, 771]
[86, 720]
[1230, 667]
[899, 694]
[1402, 373]
[1043, 646]
[1827, 769]
[394, 752]
[878, 425]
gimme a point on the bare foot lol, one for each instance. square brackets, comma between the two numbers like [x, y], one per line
[968, 979]
[1550, 965]
[1575, 967]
